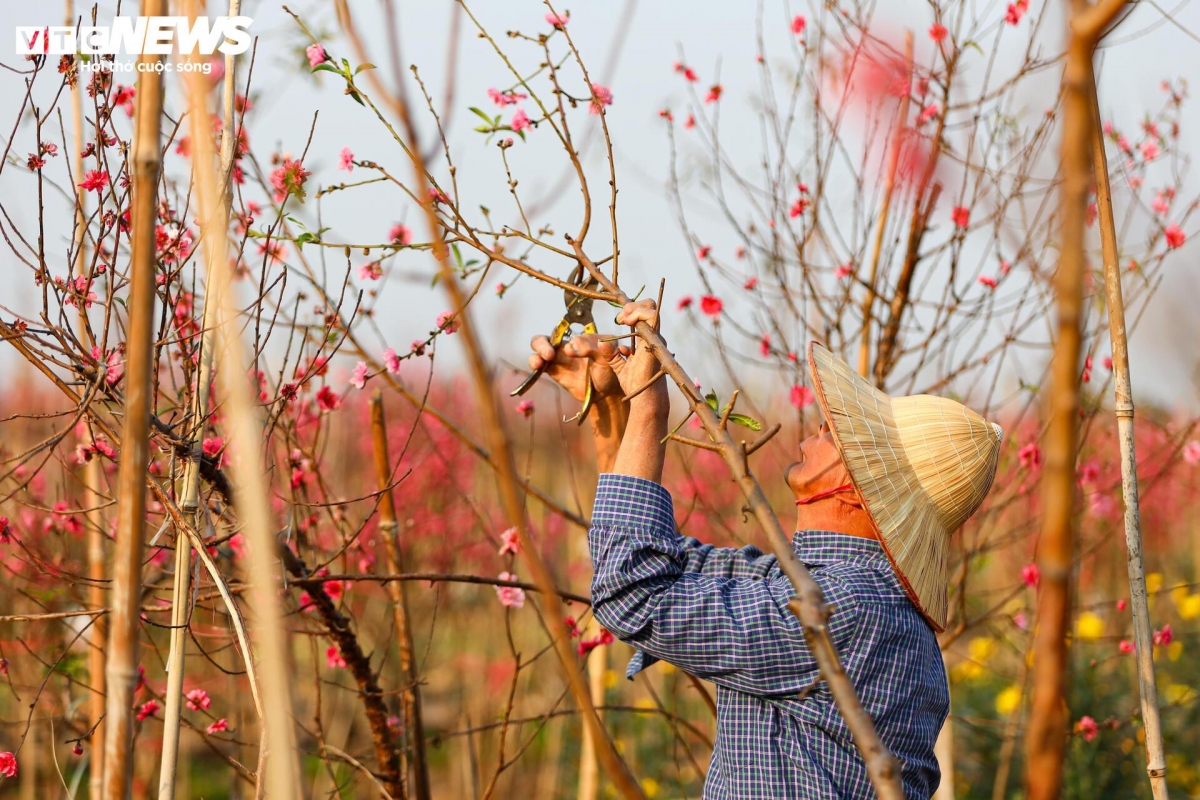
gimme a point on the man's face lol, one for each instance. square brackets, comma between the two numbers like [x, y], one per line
[820, 467]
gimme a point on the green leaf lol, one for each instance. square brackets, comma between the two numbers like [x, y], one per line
[484, 129]
[485, 117]
[974, 44]
[749, 422]
[361, 67]
[303, 238]
[521, 134]
[358, 99]
[712, 401]
[458, 259]
[326, 68]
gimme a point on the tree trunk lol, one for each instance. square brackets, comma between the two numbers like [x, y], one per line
[121, 670]
[1046, 737]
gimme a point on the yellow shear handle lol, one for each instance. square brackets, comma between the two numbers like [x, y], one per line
[587, 396]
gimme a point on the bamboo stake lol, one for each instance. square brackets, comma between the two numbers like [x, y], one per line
[1046, 739]
[93, 473]
[414, 728]
[1156, 765]
[190, 490]
[250, 487]
[121, 673]
[889, 185]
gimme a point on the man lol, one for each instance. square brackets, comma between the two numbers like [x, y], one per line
[879, 491]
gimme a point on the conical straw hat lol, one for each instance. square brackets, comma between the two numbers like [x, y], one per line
[922, 465]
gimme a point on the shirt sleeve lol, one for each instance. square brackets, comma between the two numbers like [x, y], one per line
[725, 562]
[734, 631]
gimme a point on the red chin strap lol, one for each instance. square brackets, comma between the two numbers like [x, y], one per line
[846, 487]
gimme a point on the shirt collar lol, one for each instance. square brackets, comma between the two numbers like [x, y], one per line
[824, 547]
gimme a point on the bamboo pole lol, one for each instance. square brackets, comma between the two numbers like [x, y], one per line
[414, 728]
[889, 185]
[190, 487]
[121, 669]
[249, 481]
[1046, 738]
[1156, 765]
[93, 473]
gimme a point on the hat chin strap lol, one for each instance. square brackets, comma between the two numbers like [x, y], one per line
[845, 487]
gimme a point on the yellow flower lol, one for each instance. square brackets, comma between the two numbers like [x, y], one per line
[1189, 606]
[644, 702]
[667, 669]
[981, 649]
[610, 679]
[966, 671]
[1175, 650]
[650, 787]
[1089, 626]
[1178, 694]
[1154, 582]
[1008, 700]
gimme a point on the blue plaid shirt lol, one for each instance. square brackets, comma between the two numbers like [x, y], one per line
[721, 614]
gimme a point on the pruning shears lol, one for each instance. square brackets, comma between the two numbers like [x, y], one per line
[579, 312]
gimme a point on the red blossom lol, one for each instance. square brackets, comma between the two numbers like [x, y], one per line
[8, 764]
[510, 596]
[961, 216]
[558, 21]
[510, 541]
[1175, 236]
[799, 23]
[1086, 725]
[684, 302]
[94, 180]
[988, 281]
[1012, 16]
[1125, 647]
[316, 55]
[1030, 456]
[937, 32]
[333, 657]
[588, 645]
[525, 408]
[328, 399]
[714, 93]
[216, 727]
[520, 121]
[1030, 574]
[288, 179]
[750, 283]
[711, 305]
[198, 699]
[703, 252]
[601, 96]
[147, 709]
[1164, 635]
[801, 396]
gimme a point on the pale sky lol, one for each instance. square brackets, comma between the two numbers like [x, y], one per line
[1146, 50]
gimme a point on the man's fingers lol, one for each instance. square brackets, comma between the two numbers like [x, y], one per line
[641, 311]
[542, 347]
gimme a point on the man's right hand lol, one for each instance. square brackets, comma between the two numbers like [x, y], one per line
[573, 362]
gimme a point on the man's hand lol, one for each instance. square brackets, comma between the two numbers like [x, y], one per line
[615, 371]
[573, 362]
